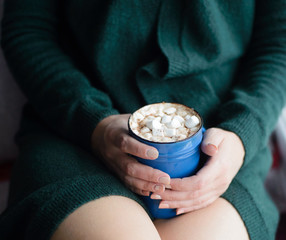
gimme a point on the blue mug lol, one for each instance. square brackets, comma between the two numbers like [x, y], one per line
[178, 159]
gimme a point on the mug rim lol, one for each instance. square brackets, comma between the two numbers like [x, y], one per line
[179, 141]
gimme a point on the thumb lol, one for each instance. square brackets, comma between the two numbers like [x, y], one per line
[211, 141]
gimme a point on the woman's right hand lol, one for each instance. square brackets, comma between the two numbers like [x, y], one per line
[111, 141]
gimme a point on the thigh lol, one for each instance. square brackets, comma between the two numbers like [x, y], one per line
[246, 198]
[108, 218]
[219, 221]
[52, 178]
[46, 158]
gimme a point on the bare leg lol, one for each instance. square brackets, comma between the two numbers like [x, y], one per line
[219, 221]
[112, 217]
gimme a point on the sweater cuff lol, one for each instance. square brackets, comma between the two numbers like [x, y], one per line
[88, 117]
[238, 118]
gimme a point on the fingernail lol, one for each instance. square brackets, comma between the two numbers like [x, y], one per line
[164, 180]
[180, 211]
[168, 186]
[214, 147]
[164, 205]
[152, 153]
[145, 193]
[156, 196]
[158, 188]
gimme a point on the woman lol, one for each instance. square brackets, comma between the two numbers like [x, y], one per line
[86, 65]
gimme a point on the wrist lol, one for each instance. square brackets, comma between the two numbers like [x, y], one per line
[99, 130]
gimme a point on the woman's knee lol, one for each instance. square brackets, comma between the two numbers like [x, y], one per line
[220, 221]
[112, 217]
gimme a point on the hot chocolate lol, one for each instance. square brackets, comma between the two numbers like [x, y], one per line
[165, 122]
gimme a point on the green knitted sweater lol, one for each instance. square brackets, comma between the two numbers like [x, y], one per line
[81, 61]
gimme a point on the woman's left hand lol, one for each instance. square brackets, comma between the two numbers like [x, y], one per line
[226, 153]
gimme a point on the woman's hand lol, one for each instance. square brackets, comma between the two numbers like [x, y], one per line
[111, 141]
[226, 153]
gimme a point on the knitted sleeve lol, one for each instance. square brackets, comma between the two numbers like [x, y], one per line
[258, 98]
[61, 94]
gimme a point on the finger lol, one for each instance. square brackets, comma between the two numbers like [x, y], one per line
[191, 203]
[195, 207]
[211, 141]
[187, 184]
[132, 185]
[210, 171]
[171, 195]
[139, 191]
[130, 145]
[217, 184]
[215, 172]
[129, 184]
[204, 178]
[133, 168]
[144, 185]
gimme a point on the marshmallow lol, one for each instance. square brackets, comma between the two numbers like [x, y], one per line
[145, 130]
[174, 124]
[150, 111]
[147, 136]
[136, 132]
[138, 116]
[149, 124]
[158, 132]
[167, 139]
[158, 119]
[183, 113]
[192, 122]
[188, 117]
[154, 124]
[170, 132]
[160, 113]
[166, 119]
[156, 139]
[179, 118]
[194, 129]
[183, 130]
[164, 122]
[134, 125]
[150, 118]
[182, 136]
[170, 110]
